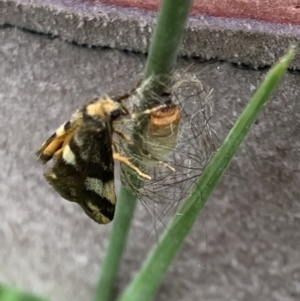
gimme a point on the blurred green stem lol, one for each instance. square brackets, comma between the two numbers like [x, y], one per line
[122, 221]
[165, 44]
[11, 294]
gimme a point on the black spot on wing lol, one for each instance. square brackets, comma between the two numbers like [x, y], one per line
[67, 125]
[95, 170]
[44, 158]
[51, 138]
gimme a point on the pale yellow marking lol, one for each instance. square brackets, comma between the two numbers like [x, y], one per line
[126, 161]
[109, 191]
[52, 175]
[99, 217]
[102, 107]
[69, 156]
[106, 190]
[60, 131]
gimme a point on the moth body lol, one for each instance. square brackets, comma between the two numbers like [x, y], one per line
[83, 171]
[84, 151]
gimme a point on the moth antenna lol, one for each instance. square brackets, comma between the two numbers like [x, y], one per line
[148, 111]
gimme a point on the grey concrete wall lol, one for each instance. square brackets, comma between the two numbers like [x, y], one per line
[244, 246]
[95, 24]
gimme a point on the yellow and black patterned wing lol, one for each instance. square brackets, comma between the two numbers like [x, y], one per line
[55, 144]
[83, 170]
[84, 173]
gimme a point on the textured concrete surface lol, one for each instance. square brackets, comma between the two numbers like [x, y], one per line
[96, 24]
[271, 11]
[244, 246]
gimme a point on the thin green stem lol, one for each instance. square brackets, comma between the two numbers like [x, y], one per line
[11, 294]
[165, 42]
[146, 282]
[119, 233]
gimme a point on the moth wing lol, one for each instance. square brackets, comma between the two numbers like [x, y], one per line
[84, 173]
[55, 144]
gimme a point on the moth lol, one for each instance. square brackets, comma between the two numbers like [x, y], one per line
[83, 150]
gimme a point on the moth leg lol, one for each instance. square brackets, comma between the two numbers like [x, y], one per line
[125, 160]
[123, 136]
[167, 165]
[148, 111]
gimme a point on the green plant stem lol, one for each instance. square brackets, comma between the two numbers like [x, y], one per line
[165, 42]
[11, 294]
[123, 216]
[161, 59]
[146, 282]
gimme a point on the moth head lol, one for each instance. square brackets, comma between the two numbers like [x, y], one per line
[103, 110]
